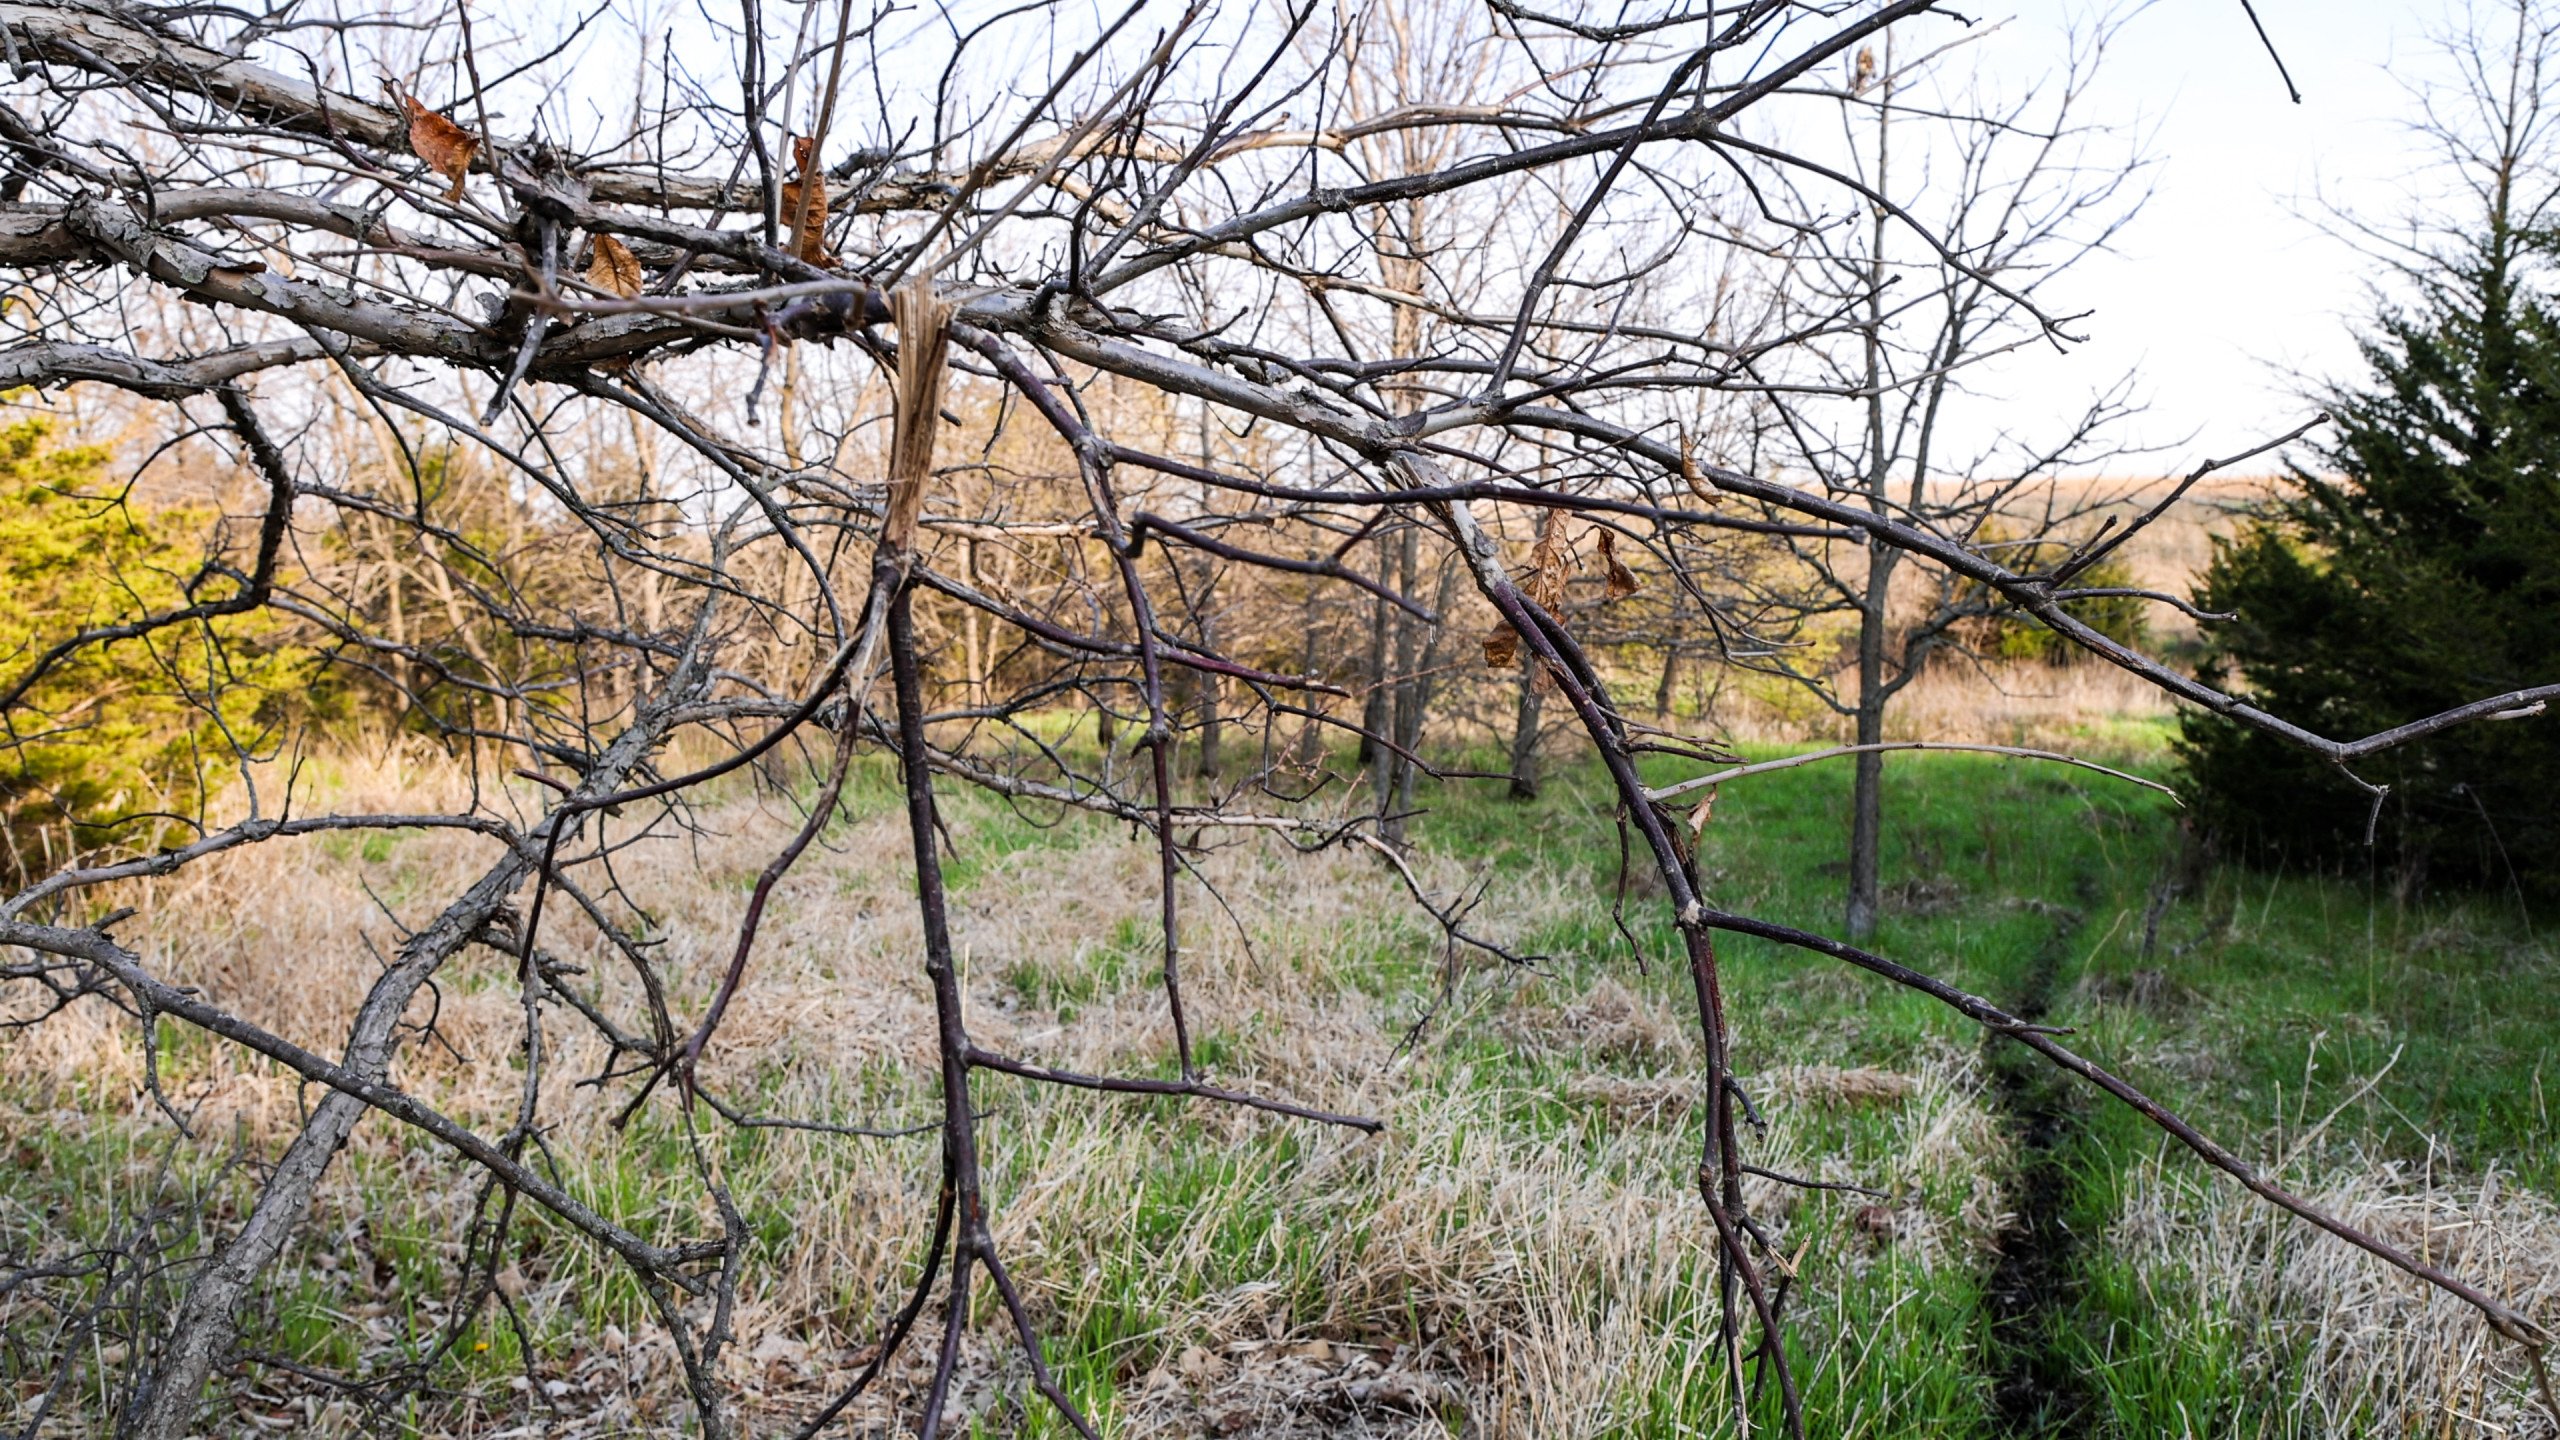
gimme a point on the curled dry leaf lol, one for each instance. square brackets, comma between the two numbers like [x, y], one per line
[446, 147]
[804, 203]
[1699, 485]
[1622, 581]
[615, 268]
[1550, 564]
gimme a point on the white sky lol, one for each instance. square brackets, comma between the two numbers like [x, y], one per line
[2223, 290]
[2223, 296]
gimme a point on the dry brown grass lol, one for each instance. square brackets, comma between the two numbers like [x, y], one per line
[1481, 1268]
[1535, 1282]
[2358, 1348]
[2077, 707]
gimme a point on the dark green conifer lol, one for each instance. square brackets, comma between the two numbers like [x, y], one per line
[2417, 567]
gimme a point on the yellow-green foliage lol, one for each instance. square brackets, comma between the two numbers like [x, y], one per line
[2014, 635]
[116, 744]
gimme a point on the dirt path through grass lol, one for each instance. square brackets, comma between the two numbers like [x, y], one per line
[2037, 1387]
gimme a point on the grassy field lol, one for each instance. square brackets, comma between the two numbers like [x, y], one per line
[1519, 1254]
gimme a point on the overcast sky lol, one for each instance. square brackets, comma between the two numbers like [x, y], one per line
[2224, 297]
[2224, 288]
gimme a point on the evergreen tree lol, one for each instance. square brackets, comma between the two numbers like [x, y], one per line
[2419, 569]
[117, 744]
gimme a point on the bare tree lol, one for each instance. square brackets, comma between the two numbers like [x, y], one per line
[904, 245]
[1889, 413]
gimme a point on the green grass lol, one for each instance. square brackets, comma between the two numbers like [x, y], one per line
[2282, 991]
[2294, 987]
[2273, 970]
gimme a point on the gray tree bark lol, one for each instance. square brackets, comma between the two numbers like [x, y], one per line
[1395, 792]
[201, 1334]
[1374, 705]
[1866, 791]
[1524, 730]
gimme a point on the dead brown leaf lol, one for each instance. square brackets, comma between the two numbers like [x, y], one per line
[446, 147]
[1622, 581]
[804, 203]
[615, 268]
[1699, 485]
[1502, 648]
[1550, 564]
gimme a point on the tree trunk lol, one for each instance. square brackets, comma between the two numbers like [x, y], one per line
[1524, 730]
[1669, 683]
[1395, 772]
[973, 654]
[1309, 749]
[1211, 730]
[207, 1322]
[1866, 796]
[1866, 828]
[1373, 706]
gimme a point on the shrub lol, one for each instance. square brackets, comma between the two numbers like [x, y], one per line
[2007, 633]
[116, 743]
